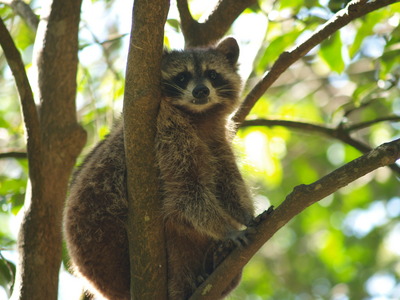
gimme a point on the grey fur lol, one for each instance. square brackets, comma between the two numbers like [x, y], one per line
[205, 198]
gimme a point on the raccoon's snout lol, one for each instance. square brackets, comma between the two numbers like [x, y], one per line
[200, 93]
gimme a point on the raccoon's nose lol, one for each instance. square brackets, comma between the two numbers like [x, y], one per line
[200, 91]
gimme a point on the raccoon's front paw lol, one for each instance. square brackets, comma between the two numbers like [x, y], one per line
[243, 217]
[248, 218]
[260, 218]
[201, 278]
[224, 247]
[239, 238]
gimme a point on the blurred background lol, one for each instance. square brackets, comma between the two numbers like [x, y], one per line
[347, 246]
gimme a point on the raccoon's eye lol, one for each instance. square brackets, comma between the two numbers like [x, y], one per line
[212, 74]
[182, 79]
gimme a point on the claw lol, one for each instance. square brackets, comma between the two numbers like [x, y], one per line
[261, 217]
[239, 238]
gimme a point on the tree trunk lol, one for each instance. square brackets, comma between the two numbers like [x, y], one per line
[58, 141]
[142, 97]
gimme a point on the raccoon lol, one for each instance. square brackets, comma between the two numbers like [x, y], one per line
[205, 199]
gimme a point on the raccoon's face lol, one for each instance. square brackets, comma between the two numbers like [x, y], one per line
[199, 79]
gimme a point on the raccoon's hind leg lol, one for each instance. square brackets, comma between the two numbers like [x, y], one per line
[98, 247]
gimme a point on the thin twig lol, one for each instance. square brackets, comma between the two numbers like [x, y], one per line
[369, 123]
[111, 40]
[107, 56]
[13, 154]
[290, 124]
[340, 133]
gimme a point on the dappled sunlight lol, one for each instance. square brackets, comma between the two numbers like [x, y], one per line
[263, 154]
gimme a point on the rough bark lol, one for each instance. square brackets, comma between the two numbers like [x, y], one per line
[142, 96]
[54, 141]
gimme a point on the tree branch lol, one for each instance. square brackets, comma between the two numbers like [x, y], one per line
[369, 123]
[302, 197]
[353, 10]
[289, 124]
[341, 133]
[13, 154]
[204, 34]
[145, 225]
[187, 20]
[61, 140]
[24, 11]
[17, 67]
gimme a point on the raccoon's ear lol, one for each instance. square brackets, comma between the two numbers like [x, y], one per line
[230, 48]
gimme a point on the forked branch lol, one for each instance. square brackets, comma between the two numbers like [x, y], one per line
[219, 21]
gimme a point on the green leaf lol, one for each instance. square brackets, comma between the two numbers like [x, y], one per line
[174, 23]
[295, 4]
[336, 5]
[365, 30]
[277, 46]
[7, 274]
[331, 53]
[25, 37]
[390, 59]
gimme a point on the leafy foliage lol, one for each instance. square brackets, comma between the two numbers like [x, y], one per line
[340, 248]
